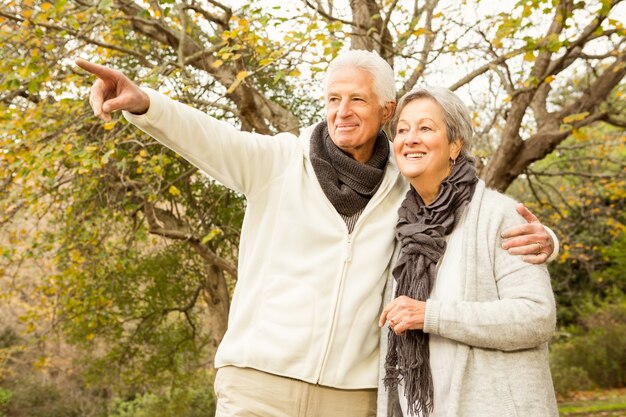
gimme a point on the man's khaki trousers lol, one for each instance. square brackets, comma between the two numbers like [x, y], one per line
[245, 392]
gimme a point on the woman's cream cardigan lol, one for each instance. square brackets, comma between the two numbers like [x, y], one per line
[502, 326]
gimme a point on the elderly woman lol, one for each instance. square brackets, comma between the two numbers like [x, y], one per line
[469, 323]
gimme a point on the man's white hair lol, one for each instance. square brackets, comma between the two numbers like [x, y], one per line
[382, 75]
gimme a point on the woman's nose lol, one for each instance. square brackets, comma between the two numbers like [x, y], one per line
[412, 137]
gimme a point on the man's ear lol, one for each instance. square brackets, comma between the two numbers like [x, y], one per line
[388, 109]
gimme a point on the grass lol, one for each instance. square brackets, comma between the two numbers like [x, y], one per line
[609, 403]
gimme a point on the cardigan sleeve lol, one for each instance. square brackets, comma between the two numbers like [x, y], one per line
[509, 303]
[242, 161]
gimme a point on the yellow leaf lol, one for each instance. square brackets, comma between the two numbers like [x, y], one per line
[143, 153]
[109, 125]
[240, 76]
[174, 191]
[217, 63]
[575, 117]
[41, 363]
[549, 79]
[295, 73]
[46, 6]
[212, 234]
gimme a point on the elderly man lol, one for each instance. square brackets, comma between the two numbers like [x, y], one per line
[316, 242]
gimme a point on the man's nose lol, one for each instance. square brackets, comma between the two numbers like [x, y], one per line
[344, 108]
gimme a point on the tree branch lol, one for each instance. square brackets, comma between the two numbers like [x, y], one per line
[488, 66]
[318, 9]
[139, 55]
[162, 223]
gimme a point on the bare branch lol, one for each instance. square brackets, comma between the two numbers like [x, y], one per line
[488, 66]
[427, 48]
[162, 223]
[318, 9]
[389, 12]
[612, 120]
[220, 20]
[574, 174]
[556, 27]
[227, 10]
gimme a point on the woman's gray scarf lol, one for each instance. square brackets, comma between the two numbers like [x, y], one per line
[421, 232]
[348, 184]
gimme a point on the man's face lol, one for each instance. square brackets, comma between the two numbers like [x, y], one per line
[354, 113]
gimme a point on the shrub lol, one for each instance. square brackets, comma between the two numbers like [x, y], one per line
[5, 397]
[593, 354]
[189, 402]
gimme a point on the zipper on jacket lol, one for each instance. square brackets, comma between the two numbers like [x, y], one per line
[331, 336]
[348, 256]
[384, 191]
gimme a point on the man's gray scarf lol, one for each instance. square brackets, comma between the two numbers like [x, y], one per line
[421, 232]
[348, 184]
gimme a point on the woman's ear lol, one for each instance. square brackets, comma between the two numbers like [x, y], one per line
[455, 149]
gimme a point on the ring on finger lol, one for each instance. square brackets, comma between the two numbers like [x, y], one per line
[540, 248]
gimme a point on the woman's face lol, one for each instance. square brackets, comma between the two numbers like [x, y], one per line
[421, 146]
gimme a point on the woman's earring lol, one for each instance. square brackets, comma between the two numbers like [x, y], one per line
[453, 161]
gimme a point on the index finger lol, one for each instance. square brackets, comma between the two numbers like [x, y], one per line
[99, 71]
[526, 214]
[383, 316]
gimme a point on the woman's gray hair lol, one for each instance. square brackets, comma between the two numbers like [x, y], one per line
[456, 113]
[382, 74]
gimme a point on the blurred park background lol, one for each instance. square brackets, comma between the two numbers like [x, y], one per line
[117, 258]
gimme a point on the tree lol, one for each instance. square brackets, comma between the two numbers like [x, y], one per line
[579, 189]
[101, 205]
